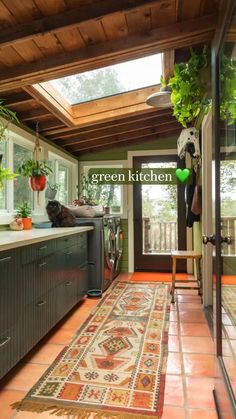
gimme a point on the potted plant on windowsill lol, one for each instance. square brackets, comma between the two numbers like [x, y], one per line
[37, 172]
[23, 211]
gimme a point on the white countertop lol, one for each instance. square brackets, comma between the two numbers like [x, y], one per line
[13, 239]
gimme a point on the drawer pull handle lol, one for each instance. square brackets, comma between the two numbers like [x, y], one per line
[43, 248]
[41, 303]
[7, 259]
[68, 283]
[4, 341]
[41, 265]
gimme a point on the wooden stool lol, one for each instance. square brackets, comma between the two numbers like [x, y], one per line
[186, 254]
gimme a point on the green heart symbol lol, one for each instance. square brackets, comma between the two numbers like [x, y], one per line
[182, 174]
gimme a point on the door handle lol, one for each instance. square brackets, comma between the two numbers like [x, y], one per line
[209, 239]
[212, 239]
[227, 239]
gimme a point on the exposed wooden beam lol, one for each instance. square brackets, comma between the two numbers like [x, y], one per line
[129, 142]
[114, 130]
[51, 123]
[66, 131]
[33, 114]
[178, 35]
[68, 19]
[16, 99]
[143, 133]
[168, 59]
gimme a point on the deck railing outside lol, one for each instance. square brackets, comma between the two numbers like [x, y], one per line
[161, 237]
[228, 228]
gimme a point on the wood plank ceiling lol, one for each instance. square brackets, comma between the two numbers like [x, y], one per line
[42, 40]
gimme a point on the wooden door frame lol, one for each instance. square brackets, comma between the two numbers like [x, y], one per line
[137, 212]
[207, 225]
[223, 393]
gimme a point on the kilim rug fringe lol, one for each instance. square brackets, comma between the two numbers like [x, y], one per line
[76, 413]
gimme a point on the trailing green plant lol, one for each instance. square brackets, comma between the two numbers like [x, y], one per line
[190, 86]
[32, 168]
[23, 210]
[228, 89]
[5, 174]
[9, 116]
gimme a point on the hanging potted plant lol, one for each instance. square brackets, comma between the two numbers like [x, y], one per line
[5, 174]
[191, 88]
[23, 211]
[37, 172]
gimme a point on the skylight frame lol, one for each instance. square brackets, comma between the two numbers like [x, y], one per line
[128, 64]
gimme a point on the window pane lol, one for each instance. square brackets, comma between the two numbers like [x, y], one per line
[159, 214]
[62, 194]
[22, 191]
[110, 80]
[106, 195]
[3, 195]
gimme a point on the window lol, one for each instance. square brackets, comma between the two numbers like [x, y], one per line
[63, 174]
[22, 192]
[15, 151]
[110, 80]
[62, 177]
[106, 195]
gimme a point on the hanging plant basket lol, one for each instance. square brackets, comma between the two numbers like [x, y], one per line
[37, 183]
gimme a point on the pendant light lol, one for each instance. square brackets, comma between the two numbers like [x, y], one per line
[161, 99]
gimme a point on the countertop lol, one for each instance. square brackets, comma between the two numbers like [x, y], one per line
[13, 239]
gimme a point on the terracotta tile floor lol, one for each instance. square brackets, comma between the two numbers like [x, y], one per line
[190, 368]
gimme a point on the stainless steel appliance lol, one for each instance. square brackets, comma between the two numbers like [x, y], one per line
[104, 250]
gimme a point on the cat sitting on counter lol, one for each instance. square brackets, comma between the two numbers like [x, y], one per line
[59, 215]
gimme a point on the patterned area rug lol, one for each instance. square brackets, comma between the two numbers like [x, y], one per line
[115, 365]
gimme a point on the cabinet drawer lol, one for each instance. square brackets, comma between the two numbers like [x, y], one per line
[37, 251]
[11, 349]
[66, 297]
[67, 241]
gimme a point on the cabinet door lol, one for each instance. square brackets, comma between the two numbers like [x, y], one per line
[9, 288]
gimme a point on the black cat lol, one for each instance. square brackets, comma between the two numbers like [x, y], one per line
[60, 215]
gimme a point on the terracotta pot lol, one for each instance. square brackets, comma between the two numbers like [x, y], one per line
[37, 183]
[27, 223]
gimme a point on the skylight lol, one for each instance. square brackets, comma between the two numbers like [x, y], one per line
[109, 81]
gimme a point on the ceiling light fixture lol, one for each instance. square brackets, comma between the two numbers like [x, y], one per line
[160, 99]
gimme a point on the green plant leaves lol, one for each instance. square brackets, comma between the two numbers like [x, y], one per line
[6, 174]
[188, 88]
[32, 168]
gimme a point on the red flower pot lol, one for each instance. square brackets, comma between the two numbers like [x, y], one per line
[37, 183]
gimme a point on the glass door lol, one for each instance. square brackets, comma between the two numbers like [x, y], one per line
[224, 54]
[159, 210]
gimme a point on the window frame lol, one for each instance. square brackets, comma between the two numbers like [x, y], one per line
[108, 164]
[21, 137]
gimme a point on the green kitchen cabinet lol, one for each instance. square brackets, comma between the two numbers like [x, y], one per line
[39, 284]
